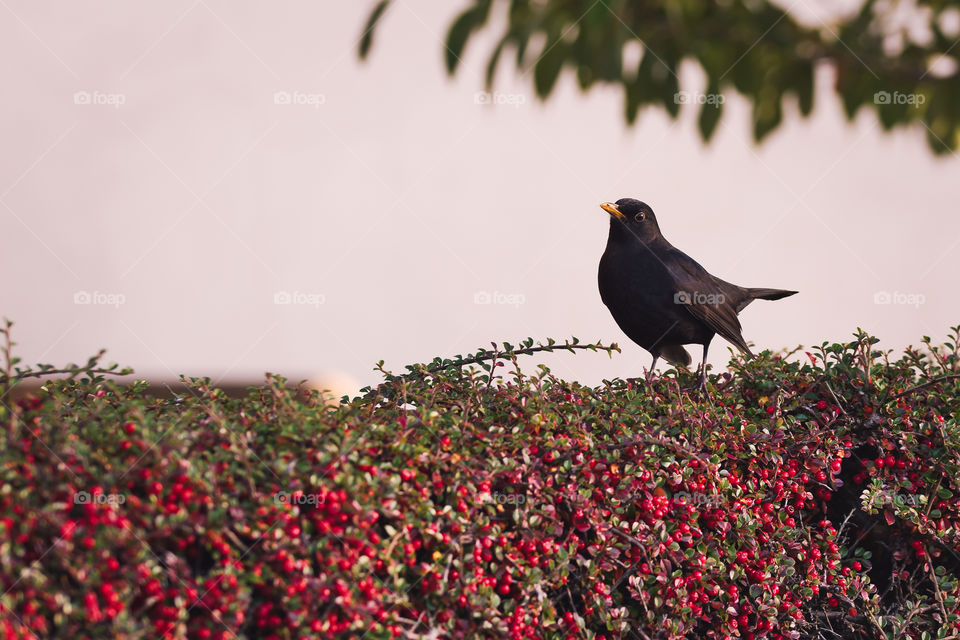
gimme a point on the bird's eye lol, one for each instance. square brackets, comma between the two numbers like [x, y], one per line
[639, 217]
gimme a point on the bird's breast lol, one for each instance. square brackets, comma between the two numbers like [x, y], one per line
[632, 275]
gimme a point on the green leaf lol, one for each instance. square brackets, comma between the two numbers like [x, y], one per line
[584, 76]
[468, 21]
[804, 86]
[638, 90]
[710, 112]
[767, 112]
[548, 66]
[494, 60]
[366, 40]
[666, 85]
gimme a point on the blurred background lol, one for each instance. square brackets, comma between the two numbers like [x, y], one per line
[220, 189]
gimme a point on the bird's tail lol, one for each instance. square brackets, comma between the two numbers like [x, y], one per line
[769, 294]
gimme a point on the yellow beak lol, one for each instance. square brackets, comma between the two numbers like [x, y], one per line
[612, 209]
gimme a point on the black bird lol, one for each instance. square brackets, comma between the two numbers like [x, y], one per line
[661, 297]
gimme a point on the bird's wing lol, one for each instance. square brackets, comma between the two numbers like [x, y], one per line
[706, 297]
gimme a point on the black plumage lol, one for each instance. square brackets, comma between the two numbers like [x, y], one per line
[661, 297]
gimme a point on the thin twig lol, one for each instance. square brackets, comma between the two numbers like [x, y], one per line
[936, 588]
[73, 372]
[493, 364]
[486, 355]
[953, 376]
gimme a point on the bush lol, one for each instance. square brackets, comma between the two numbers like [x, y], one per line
[806, 499]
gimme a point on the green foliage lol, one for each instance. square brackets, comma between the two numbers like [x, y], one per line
[469, 498]
[461, 29]
[753, 47]
[366, 40]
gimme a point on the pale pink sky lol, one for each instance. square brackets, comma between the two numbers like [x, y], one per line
[388, 199]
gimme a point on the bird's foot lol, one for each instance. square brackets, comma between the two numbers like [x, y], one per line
[700, 387]
[647, 379]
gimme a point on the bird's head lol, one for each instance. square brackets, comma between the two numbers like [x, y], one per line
[632, 217]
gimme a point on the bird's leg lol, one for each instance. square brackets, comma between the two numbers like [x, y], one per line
[703, 370]
[701, 386]
[653, 365]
